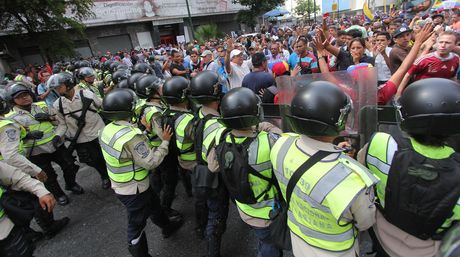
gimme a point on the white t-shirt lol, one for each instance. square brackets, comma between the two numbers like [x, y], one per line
[383, 71]
[237, 74]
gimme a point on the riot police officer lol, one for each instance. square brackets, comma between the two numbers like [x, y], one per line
[129, 159]
[119, 76]
[242, 115]
[181, 156]
[79, 121]
[13, 240]
[143, 68]
[206, 90]
[87, 78]
[35, 118]
[429, 112]
[11, 153]
[333, 199]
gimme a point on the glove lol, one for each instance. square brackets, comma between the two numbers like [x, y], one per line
[56, 141]
[34, 134]
[42, 117]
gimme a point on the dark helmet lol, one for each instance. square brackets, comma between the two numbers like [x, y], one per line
[122, 66]
[147, 86]
[17, 88]
[4, 105]
[106, 65]
[84, 63]
[240, 108]
[120, 75]
[95, 64]
[56, 69]
[132, 80]
[319, 109]
[430, 107]
[71, 68]
[113, 67]
[61, 78]
[122, 84]
[206, 87]
[175, 90]
[119, 104]
[142, 68]
[85, 72]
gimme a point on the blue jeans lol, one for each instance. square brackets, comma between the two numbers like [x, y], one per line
[264, 247]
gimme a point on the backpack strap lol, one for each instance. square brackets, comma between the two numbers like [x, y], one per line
[198, 133]
[402, 141]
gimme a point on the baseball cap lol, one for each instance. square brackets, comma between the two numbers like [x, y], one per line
[400, 31]
[205, 53]
[234, 53]
[280, 68]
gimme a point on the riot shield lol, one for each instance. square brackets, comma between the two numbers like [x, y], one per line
[359, 84]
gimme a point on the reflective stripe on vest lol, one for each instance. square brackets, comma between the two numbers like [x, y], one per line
[185, 148]
[112, 140]
[154, 139]
[4, 123]
[138, 108]
[209, 133]
[321, 196]
[379, 158]
[259, 160]
[2, 211]
[46, 127]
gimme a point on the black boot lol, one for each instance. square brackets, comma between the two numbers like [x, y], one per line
[140, 249]
[106, 183]
[48, 224]
[32, 235]
[16, 244]
[75, 188]
[172, 227]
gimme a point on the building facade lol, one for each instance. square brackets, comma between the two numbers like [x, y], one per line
[129, 24]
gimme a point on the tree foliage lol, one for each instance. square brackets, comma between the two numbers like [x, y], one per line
[306, 7]
[50, 23]
[254, 9]
[206, 32]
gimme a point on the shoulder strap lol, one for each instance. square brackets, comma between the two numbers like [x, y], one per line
[402, 141]
[318, 156]
[198, 135]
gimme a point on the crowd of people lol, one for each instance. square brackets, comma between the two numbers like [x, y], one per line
[146, 119]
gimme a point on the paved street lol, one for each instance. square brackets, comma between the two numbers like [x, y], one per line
[98, 228]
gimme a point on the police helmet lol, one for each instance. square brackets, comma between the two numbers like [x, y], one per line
[95, 64]
[142, 68]
[175, 90]
[71, 68]
[148, 86]
[122, 84]
[120, 75]
[84, 63]
[240, 108]
[119, 104]
[113, 66]
[4, 105]
[85, 72]
[430, 107]
[63, 78]
[106, 65]
[122, 66]
[319, 109]
[133, 78]
[56, 69]
[16, 89]
[206, 87]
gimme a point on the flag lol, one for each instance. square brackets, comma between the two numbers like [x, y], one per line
[367, 13]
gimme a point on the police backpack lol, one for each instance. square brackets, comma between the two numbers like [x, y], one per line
[421, 192]
[235, 169]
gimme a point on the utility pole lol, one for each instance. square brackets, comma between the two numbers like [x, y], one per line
[190, 20]
[314, 9]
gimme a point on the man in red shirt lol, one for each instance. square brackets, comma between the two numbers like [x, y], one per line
[442, 63]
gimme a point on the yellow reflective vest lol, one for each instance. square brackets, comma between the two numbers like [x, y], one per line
[149, 112]
[185, 145]
[379, 158]
[46, 127]
[210, 129]
[259, 160]
[321, 196]
[112, 139]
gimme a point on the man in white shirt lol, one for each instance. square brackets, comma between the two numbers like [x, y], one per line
[381, 54]
[207, 61]
[235, 66]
